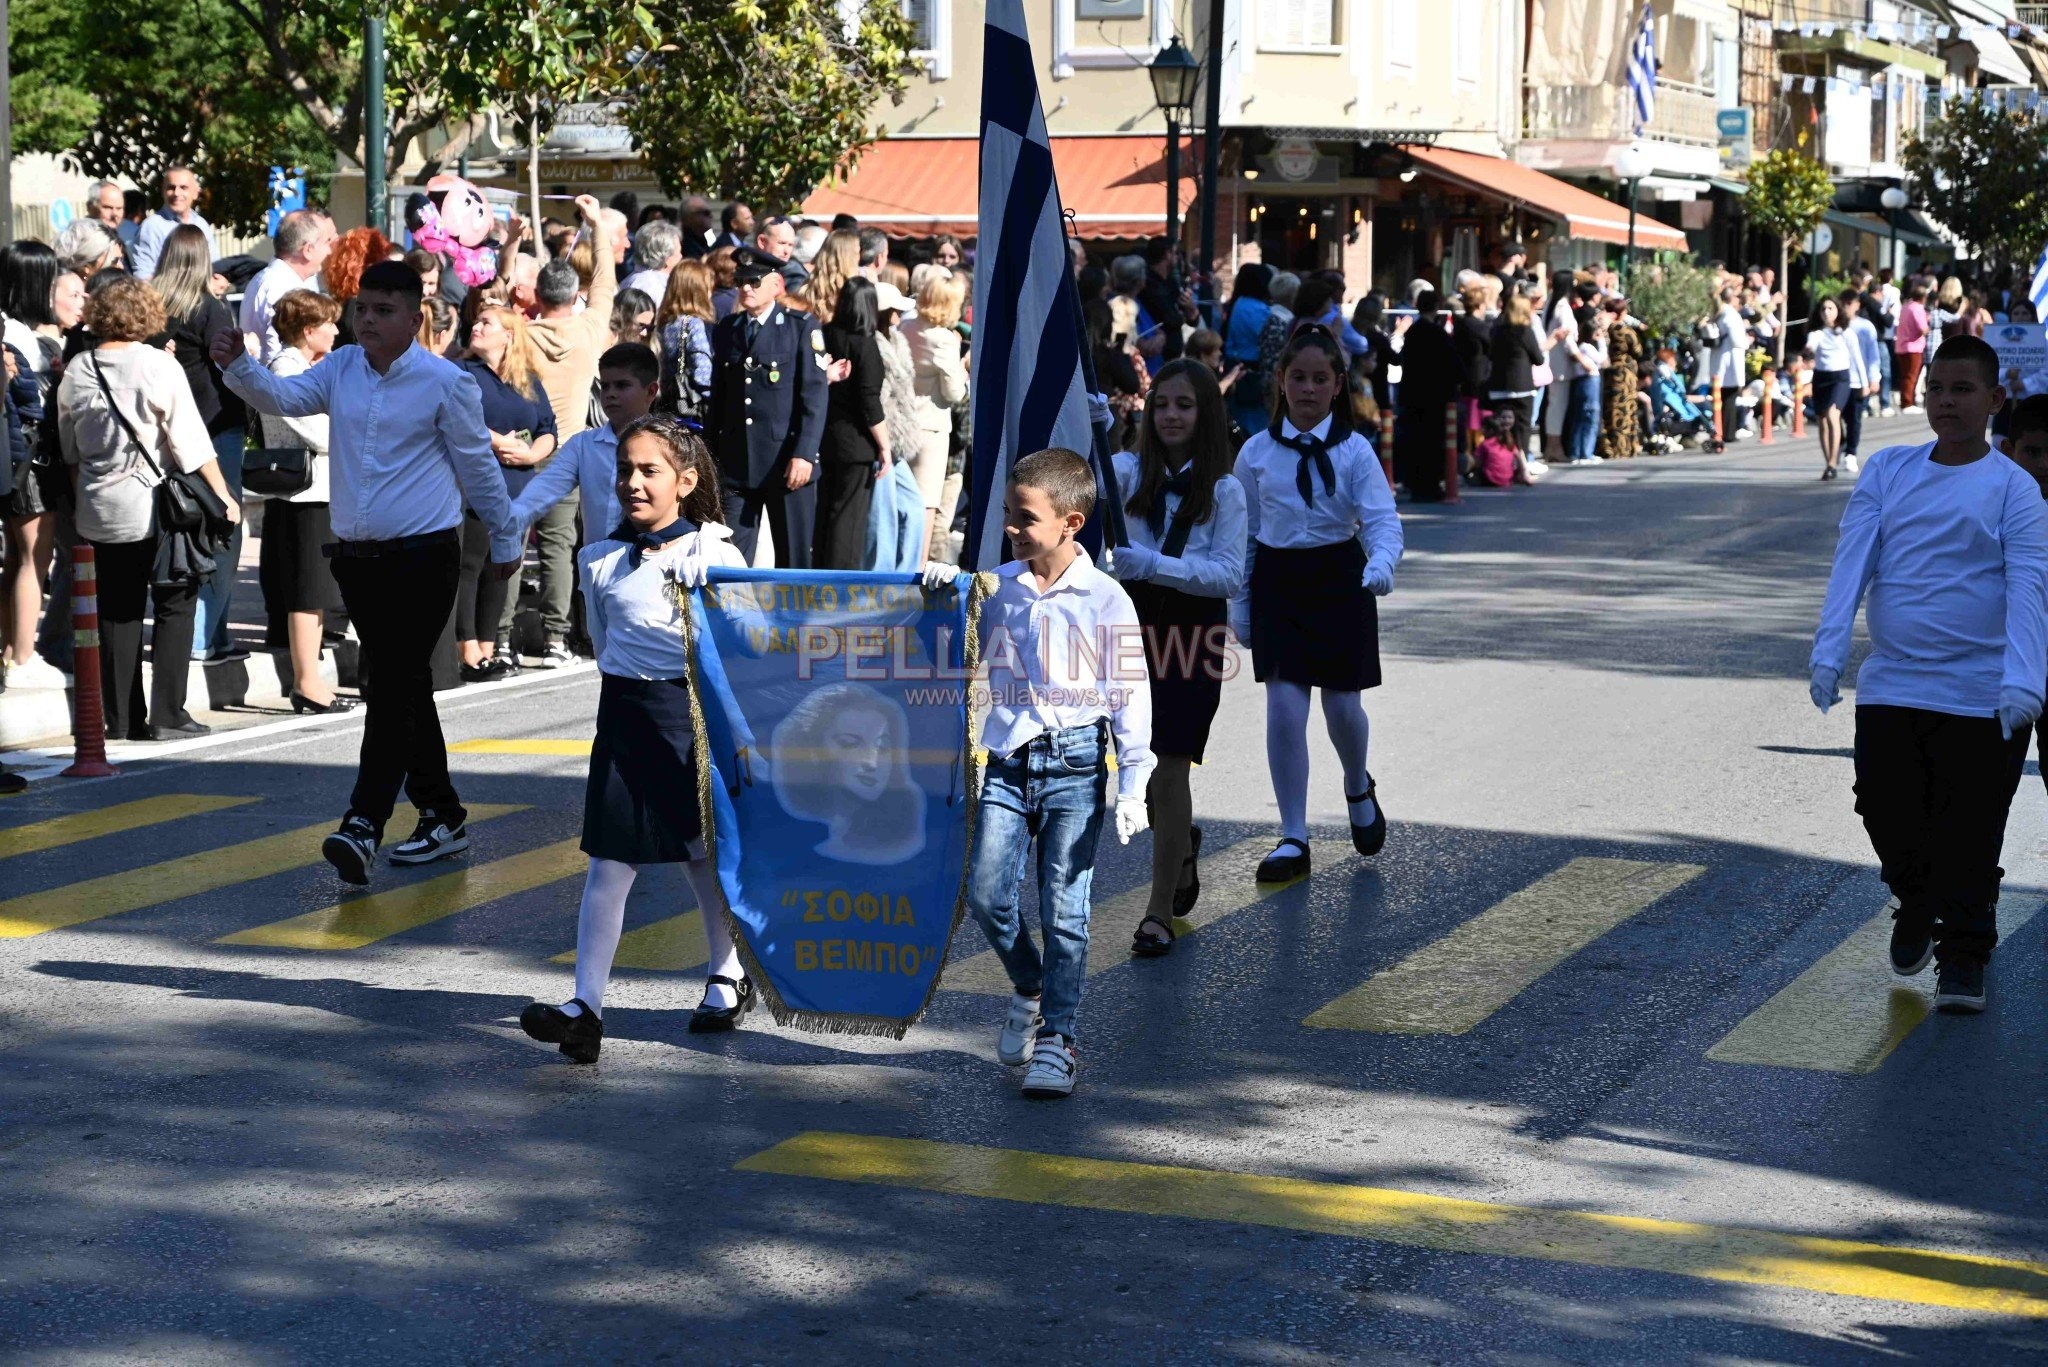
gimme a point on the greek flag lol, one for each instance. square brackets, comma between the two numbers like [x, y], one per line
[1028, 389]
[2038, 291]
[1642, 72]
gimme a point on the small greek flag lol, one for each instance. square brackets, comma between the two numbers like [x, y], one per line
[2038, 291]
[1642, 72]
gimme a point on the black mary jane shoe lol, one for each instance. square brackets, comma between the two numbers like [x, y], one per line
[580, 1037]
[1287, 862]
[1368, 840]
[1185, 896]
[1148, 944]
[712, 1020]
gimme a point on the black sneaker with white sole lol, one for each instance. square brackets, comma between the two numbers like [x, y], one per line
[1912, 945]
[432, 839]
[1959, 988]
[352, 849]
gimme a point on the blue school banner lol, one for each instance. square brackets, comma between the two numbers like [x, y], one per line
[839, 781]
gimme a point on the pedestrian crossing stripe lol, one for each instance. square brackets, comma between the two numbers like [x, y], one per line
[520, 747]
[111, 820]
[152, 885]
[1721, 1253]
[1451, 985]
[361, 921]
[1227, 887]
[1848, 1011]
[674, 944]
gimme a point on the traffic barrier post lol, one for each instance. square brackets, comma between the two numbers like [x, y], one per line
[89, 714]
[1769, 402]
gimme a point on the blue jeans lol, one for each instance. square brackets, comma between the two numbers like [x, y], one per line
[210, 620]
[1582, 419]
[1054, 787]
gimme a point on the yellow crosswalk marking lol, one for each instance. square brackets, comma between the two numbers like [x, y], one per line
[363, 921]
[1447, 987]
[188, 876]
[1847, 1012]
[1758, 1257]
[673, 944]
[520, 747]
[122, 816]
[1227, 887]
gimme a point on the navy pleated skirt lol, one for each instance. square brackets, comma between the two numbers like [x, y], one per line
[1314, 622]
[640, 804]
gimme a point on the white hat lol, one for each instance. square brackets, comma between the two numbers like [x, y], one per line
[889, 299]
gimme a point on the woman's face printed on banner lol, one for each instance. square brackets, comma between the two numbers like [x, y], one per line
[842, 758]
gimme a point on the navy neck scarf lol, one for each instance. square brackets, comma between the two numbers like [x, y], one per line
[1178, 483]
[642, 542]
[1310, 447]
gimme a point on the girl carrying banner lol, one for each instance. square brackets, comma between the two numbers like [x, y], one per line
[1324, 543]
[640, 805]
[1184, 564]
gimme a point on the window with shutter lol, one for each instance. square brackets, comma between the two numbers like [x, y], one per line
[1399, 40]
[1297, 23]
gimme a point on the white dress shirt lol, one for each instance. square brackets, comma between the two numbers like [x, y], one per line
[588, 462]
[1067, 657]
[1730, 362]
[631, 611]
[1361, 505]
[309, 433]
[1831, 349]
[259, 305]
[149, 238]
[405, 449]
[1868, 349]
[1954, 559]
[653, 284]
[1211, 565]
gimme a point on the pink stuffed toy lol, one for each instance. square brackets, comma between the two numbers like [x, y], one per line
[456, 222]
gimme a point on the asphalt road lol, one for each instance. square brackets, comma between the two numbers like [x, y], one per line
[1598, 1062]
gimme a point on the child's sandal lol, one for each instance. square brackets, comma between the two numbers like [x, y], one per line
[1284, 865]
[1184, 896]
[1145, 946]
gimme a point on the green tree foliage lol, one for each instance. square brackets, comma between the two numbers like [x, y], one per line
[762, 99]
[1981, 171]
[1670, 296]
[1789, 194]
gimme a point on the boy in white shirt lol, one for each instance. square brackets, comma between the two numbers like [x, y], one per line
[1066, 671]
[1951, 544]
[1864, 377]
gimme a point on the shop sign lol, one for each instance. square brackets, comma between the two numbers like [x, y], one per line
[1733, 128]
[1295, 158]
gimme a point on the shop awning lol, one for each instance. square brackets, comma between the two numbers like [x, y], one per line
[916, 187]
[1584, 214]
[1913, 229]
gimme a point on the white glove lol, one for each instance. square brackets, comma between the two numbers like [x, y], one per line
[2016, 711]
[688, 567]
[1133, 562]
[938, 576]
[1824, 690]
[1131, 818]
[1098, 410]
[1379, 579]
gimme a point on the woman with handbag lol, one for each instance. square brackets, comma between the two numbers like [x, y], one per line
[127, 421]
[297, 582]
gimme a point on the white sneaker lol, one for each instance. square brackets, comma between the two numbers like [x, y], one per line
[1013, 1046]
[36, 672]
[1849, 465]
[1052, 1069]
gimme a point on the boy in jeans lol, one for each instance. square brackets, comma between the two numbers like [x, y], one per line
[1950, 541]
[1066, 671]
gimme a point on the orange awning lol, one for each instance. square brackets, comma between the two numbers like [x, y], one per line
[1584, 214]
[916, 187]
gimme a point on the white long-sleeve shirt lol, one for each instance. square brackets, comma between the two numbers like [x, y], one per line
[1954, 559]
[631, 610]
[1831, 349]
[1211, 565]
[1070, 656]
[405, 448]
[1868, 349]
[259, 305]
[589, 463]
[1361, 506]
[309, 432]
[156, 230]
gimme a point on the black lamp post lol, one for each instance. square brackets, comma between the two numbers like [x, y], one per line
[1175, 73]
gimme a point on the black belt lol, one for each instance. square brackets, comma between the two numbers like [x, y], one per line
[369, 550]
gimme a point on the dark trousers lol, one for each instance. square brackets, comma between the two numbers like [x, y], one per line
[124, 570]
[400, 603]
[1933, 791]
[1419, 452]
[480, 596]
[845, 493]
[1852, 423]
[792, 520]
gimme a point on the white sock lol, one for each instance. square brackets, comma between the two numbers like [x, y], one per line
[725, 959]
[599, 923]
[1287, 755]
[1344, 715]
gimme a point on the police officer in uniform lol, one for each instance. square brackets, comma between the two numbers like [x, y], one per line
[766, 416]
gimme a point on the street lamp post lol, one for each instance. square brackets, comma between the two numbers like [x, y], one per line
[1632, 165]
[1174, 73]
[1893, 199]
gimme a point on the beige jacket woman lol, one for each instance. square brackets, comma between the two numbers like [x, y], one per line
[941, 387]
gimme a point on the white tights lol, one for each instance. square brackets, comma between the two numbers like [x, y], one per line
[1287, 750]
[602, 919]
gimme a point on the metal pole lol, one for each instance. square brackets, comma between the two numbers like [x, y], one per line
[6, 127]
[373, 119]
[1212, 156]
[1172, 193]
[1628, 272]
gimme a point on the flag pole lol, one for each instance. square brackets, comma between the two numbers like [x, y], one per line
[1105, 462]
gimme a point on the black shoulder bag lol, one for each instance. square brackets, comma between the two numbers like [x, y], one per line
[191, 520]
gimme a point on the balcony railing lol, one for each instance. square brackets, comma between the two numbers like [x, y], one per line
[2037, 15]
[1683, 113]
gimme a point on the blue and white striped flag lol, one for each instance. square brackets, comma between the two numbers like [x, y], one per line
[2038, 290]
[1028, 390]
[1642, 72]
